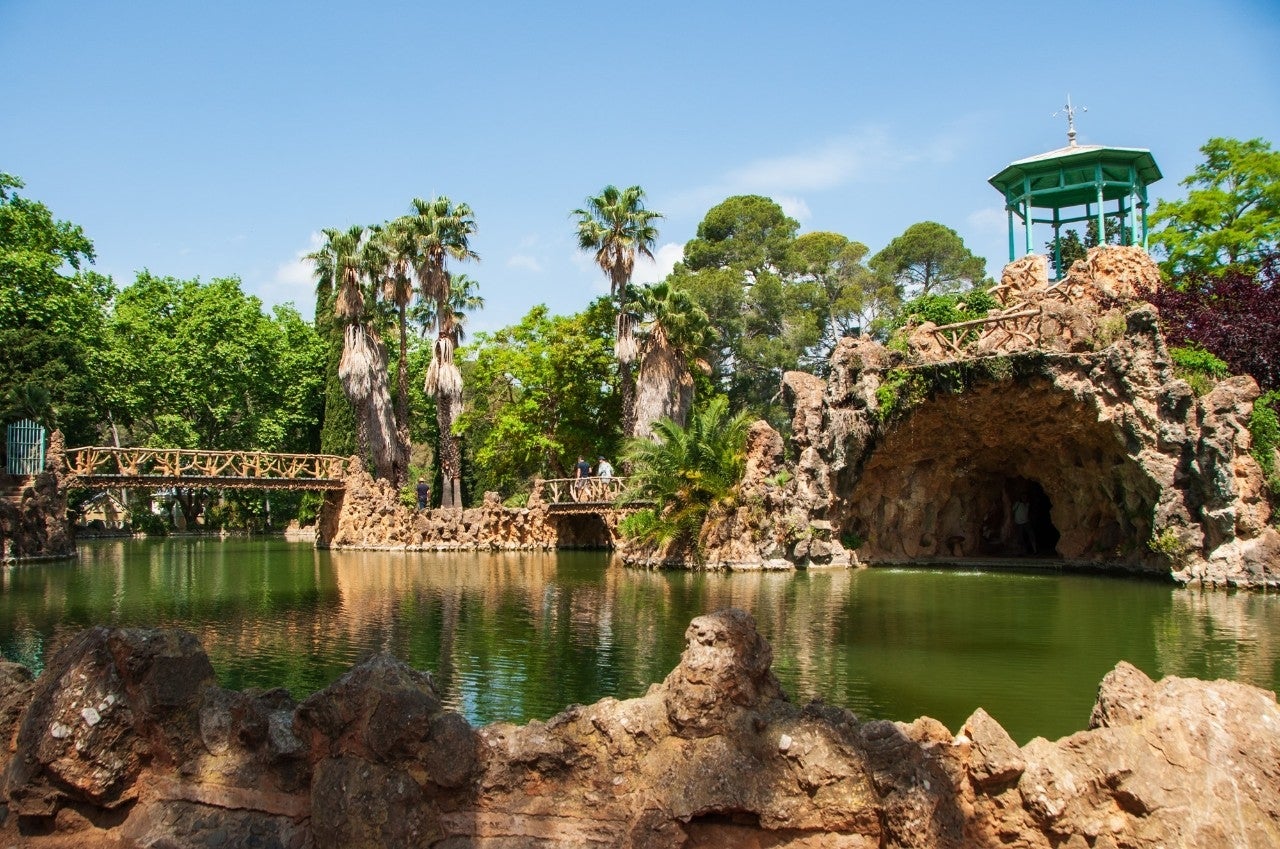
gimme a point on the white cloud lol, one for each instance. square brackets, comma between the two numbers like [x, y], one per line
[794, 207]
[524, 261]
[664, 259]
[829, 166]
[868, 155]
[293, 280]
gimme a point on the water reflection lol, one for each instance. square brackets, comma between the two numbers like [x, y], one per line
[519, 636]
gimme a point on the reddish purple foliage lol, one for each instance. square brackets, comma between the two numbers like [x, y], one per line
[1234, 314]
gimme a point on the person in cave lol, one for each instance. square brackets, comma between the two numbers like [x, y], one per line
[1022, 524]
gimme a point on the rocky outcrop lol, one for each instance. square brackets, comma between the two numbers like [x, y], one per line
[368, 514]
[1071, 404]
[126, 740]
[33, 510]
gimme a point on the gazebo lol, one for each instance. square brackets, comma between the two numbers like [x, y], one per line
[1078, 183]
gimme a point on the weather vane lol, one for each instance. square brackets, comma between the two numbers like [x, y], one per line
[1070, 112]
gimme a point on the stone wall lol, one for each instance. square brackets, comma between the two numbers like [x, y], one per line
[919, 452]
[125, 740]
[368, 514]
[33, 510]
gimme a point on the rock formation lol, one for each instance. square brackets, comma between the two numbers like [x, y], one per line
[368, 514]
[126, 741]
[33, 510]
[1067, 399]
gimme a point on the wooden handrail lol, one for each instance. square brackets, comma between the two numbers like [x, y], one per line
[170, 463]
[582, 490]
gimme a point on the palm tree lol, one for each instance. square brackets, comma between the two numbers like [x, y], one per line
[673, 328]
[616, 226]
[398, 289]
[442, 230]
[348, 259]
[683, 471]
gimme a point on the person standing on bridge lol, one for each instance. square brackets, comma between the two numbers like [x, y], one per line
[581, 474]
[603, 470]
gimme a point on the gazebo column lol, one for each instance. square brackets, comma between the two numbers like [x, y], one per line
[1012, 242]
[1102, 212]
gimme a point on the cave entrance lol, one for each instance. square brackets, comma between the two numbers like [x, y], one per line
[943, 482]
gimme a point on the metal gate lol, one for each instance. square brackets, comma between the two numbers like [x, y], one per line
[25, 443]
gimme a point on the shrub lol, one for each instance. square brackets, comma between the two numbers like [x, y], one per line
[1169, 544]
[1234, 313]
[900, 391]
[1198, 367]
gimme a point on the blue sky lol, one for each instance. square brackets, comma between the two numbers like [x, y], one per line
[217, 139]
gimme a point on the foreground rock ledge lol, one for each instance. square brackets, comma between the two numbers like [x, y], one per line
[126, 740]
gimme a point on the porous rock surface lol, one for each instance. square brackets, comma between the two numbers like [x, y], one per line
[920, 452]
[126, 741]
[368, 514]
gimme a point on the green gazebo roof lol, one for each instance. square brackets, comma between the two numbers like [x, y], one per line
[1069, 175]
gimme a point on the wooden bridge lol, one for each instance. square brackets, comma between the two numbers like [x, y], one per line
[584, 495]
[114, 468]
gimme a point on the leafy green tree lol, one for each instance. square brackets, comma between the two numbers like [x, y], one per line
[338, 429]
[747, 232]
[683, 472]
[616, 226]
[194, 365]
[542, 397]
[929, 258]
[440, 230]
[734, 269]
[1231, 214]
[847, 298]
[52, 311]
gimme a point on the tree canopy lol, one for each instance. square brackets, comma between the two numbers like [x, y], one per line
[1231, 214]
[196, 365]
[929, 258]
[543, 395]
[51, 310]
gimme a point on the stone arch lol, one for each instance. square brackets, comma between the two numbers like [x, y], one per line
[941, 482]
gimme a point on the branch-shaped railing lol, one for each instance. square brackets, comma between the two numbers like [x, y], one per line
[107, 466]
[1018, 320]
[582, 490]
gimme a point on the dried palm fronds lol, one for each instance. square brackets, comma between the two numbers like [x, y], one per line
[350, 303]
[443, 376]
[625, 347]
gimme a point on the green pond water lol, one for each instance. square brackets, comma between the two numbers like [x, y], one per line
[521, 636]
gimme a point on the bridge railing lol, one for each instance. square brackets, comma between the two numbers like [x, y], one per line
[582, 490]
[169, 463]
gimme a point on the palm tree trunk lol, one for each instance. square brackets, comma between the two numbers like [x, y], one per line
[664, 387]
[627, 386]
[402, 391]
[450, 455]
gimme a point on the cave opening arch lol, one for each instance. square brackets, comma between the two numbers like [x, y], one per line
[942, 481]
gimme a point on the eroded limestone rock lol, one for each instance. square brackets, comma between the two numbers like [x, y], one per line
[921, 454]
[715, 755]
